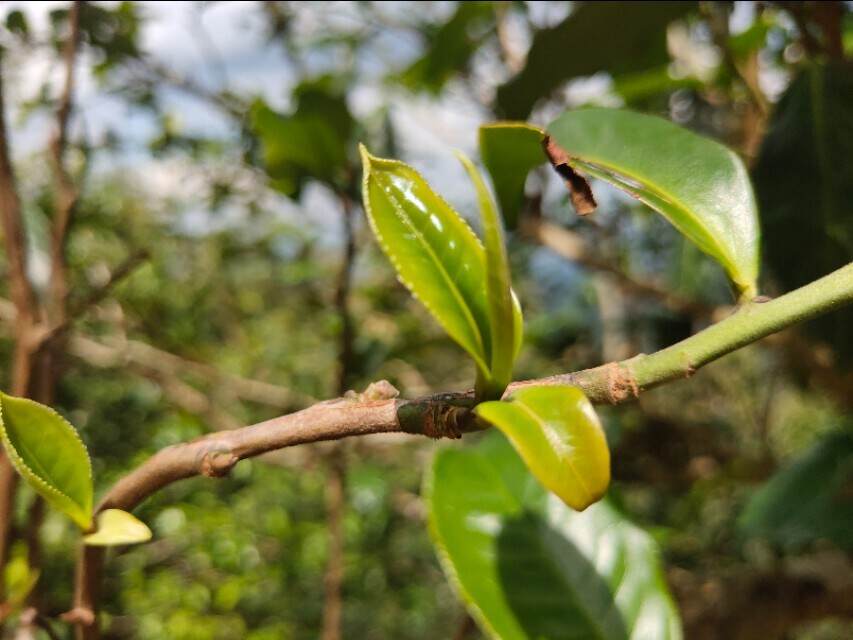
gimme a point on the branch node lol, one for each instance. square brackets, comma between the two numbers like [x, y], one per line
[79, 615]
[621, 383]
[216, 463]
[379, 390]
[445, 421]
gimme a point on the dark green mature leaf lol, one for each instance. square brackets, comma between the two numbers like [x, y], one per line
[450, 47]
[804, 183]
[529, 567]
[16, 22]
[313, 142]
[505, 326]
[113, 31]
[699, 185]
[635, 41]
[116, 527]
[510, 151]
[47, 452]
[434, 251]
[557, 433]
[808, 500]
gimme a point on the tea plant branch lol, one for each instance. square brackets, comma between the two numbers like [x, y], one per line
[160, 365]
[378, 410]
[336, 467]
[77, 309]
[67, 193]
[806, 355]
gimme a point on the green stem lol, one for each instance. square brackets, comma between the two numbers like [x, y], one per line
[750, 323]
[621, 381]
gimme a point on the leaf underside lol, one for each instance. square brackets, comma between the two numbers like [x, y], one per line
[699, 185]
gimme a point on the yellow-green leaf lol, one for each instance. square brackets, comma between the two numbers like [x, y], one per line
[697, 184]
[557, 433]
[510, 150]
[504, 312]
[436, 254]
[46, 450]
[117, 527]
[20, 581]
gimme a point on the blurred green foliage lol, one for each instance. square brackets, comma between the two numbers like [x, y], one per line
[241, 214]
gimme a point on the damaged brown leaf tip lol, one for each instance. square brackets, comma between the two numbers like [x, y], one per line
[580, 192]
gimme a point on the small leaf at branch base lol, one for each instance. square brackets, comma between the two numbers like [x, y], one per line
[46, 450]
[558, 435]
[117, 527]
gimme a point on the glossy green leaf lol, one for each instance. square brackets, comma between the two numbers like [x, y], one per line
[502, 320]
[699, 185]
[530, 568]
[510, 151]
[808, 500]
[117, 527]
[47, 452]
[629, 37]
[435, 252]
[557, 433]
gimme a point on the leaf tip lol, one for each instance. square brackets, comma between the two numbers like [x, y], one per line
[366, 157]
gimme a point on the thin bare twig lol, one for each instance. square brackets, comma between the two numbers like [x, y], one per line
[336, 459]
[26, 317]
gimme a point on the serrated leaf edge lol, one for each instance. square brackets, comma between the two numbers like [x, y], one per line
[447, 564]
[25, 470]
[368, 158]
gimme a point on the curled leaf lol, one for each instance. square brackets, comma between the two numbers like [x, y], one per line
[47, 452]
[117, 527]
[502, 304]
[580, 193]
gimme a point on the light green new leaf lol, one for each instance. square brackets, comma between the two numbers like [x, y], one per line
[434, 251]
[558, 435]
[49, 455]
[117, 527]
[510, 151]
[699, 185]
[530, 568]
[502, 304]
[20, 581]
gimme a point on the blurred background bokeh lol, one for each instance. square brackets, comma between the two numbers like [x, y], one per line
[212, 146]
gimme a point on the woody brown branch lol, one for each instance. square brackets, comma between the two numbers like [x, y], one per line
[378, 410]
[26, 312]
